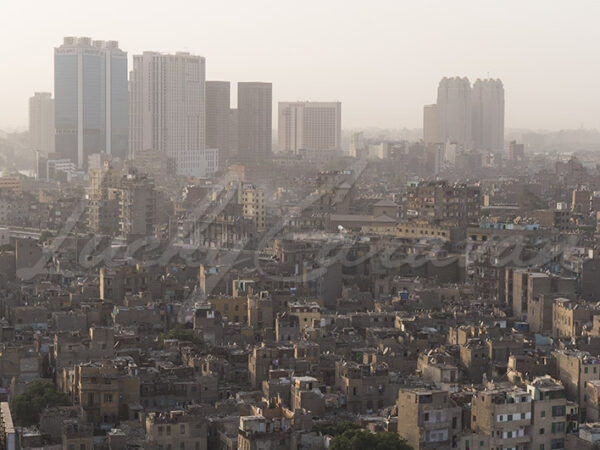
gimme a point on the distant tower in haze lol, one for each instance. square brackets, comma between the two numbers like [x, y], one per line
[218, 104]
[167, 111]
[41, 122]
[309, 126]
[430, 124]
[233, 132]
[91, 99]
[255, 131]
[454, 113]
[488, 115]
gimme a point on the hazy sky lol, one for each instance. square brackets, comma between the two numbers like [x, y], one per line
[381, 59]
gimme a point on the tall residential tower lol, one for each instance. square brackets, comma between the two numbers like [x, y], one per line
[218, 104]
[167, 109]
[454, 111]
[488, 115]
[41, 122]
[255, 109]
[309, 126]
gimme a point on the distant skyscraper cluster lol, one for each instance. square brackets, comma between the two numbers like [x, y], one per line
[165, 106]
[470, 117]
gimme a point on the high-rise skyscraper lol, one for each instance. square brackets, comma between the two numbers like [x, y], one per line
[90, 106]
[167, 109]
[255, 109]
[233, 132]
[430, 124]
[310, 126]
[454, 114]
[41, 122]
[217, 117]
[488, 115]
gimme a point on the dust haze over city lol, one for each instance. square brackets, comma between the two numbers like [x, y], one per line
[300, 225]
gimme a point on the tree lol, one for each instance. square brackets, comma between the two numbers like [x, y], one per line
[45, 236]
[181, 334]
[529, 202]
[335, 429]
[358, 439]
[40, 394]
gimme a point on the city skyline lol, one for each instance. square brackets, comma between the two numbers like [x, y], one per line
[325, 67]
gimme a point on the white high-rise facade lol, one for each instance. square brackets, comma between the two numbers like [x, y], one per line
[310, 126]
[41, 122]
[167, 109]
[488, 115]
[454, 112]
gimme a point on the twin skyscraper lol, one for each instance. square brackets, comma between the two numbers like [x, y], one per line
[472, 117]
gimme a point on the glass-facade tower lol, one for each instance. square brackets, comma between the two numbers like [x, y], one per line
[91, 99]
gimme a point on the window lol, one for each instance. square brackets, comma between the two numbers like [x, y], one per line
[585, 370]
[543, 413]
[558, 427]
[426, 417]
[82, 447]
[108, 398]
[542, 431]
[558, 411]
[182, 429]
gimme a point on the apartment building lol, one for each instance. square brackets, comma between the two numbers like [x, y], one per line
[428, 419]
[503, 415]
[549, 413]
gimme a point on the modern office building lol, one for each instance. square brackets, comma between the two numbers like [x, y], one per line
[454, 111]
[217, 117]
[167, 109]
[310, 126]
[255, 109]
[41, 122]
[91, 100]
[488, 115]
